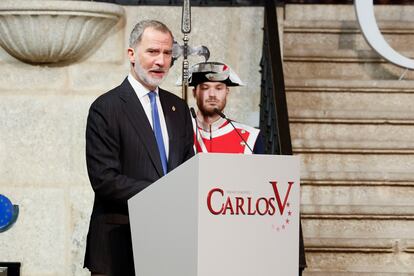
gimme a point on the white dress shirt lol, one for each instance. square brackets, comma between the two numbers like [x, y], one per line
[143, 97]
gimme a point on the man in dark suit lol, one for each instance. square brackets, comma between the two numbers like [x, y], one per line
[135, 134]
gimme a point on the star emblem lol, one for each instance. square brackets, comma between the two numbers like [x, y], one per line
[8, 213]
[285, 220]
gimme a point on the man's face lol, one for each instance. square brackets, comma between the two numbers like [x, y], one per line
[210, 95]
[151, 59]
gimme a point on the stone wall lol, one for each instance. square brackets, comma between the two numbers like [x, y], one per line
[352, 124]
[43, 112]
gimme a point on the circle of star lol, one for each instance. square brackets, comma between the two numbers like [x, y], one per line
[6, 211]
[285, 220]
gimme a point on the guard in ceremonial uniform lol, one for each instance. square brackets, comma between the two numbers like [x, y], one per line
[213, 132]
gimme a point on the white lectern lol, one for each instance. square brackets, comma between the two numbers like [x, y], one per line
[221, 215]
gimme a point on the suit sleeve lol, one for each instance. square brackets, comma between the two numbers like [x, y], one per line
[103, 157]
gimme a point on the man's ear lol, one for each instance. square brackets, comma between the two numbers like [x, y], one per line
[194, 91]
[131, 55]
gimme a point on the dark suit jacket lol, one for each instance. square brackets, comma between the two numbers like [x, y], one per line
[123, 159]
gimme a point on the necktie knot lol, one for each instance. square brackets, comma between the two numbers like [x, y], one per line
[152, 95]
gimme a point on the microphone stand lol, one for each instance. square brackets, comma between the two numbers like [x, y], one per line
[194, 115]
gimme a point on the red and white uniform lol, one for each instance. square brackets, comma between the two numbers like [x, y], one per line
[222, 137]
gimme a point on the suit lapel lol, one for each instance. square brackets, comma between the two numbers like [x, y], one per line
[136, 115]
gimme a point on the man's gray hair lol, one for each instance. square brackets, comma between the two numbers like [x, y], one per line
[136, 34]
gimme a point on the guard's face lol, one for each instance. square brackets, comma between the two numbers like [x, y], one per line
[151, 59]
[210, 95]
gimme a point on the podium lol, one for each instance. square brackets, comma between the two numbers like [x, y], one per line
[222, 215]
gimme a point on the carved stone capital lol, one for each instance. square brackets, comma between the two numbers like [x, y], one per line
[43, 31]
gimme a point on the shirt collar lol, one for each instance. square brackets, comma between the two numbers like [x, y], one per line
[213, 126]
[139, 89]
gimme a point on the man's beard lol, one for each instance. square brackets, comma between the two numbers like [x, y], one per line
[209, 112]
[145, 77]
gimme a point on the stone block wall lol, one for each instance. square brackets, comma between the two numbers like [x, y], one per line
[43, 111]
[352, 124]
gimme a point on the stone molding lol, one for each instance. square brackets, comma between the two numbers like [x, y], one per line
[350, 121]
[377, 151]
[337, 56]
[385, 167]
[352, 245]
[328, 272]
[345, 249]
[344, 27]
[43, 31]
[348, 86]
[365, 217]
[356, 183]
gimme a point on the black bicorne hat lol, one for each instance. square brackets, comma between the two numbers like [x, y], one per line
[215, 72]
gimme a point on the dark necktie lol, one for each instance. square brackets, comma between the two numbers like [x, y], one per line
[157, 129]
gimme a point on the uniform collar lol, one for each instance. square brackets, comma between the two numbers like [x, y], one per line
[213, 126]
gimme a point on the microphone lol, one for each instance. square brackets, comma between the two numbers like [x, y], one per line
[218, 112]
[221, 114]
[194, 115]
